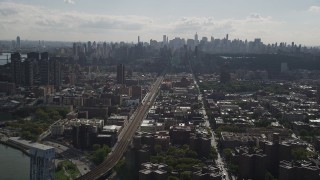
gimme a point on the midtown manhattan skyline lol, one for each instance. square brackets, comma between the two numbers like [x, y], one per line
[124, 20]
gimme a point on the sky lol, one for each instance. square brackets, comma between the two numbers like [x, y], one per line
[124, 20]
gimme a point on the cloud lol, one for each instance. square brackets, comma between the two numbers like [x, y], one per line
[251, 27]
[315, 9]
[38, 22]
[69, 1]
[39, 17]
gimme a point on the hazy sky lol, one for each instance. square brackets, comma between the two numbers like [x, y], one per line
[124, 20]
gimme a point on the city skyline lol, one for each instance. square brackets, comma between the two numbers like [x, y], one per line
[78, 20]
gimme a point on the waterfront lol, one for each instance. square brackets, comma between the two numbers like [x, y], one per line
[14, 164]
[4, 56]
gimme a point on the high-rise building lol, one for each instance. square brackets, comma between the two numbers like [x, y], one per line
[16, 68]
[120, 74]
[18, 42]
[164, 41]
[44, 68]
[55, 73]
[27, 75]
[89, 47]
[196, 39]
[74, 49]
[33, 56]
[42, 162]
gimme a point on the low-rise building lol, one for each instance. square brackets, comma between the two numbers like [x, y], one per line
[150, 171]
[300, 170]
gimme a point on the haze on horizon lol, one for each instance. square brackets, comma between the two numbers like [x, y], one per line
[123, 20]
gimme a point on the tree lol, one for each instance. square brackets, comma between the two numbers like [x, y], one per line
[41, 114]
[100, 154]
[299, 153]
[227, 153]
[95, 147]
[192, 154]
[213, 153]
[157, 148]
[186, 175]
[172, 178]
[269, 176]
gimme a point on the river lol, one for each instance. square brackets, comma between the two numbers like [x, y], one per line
[13, 164]
[4, 56]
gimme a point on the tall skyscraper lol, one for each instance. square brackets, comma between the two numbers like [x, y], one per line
[27, 75]
[16, 68]
[164, 41]
[196, 39]
[74, 49]
[44, 68]
[42, 162]
[18, 43]
[120, 74]
[55, 73]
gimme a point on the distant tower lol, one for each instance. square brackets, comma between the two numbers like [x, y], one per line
[74, 49]
[227, 37]
[18, 42]
[196, 39]
[164, 41]
[42, 162]
[120, 74]
[89, 47]
[138, 39]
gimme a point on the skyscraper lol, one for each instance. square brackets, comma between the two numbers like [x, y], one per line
[74, 49]
[196, 39]
[164, 41]
[18, 42]
[120, 74]
[27, 75]
[44, 68]
[55, 73]
[16, 68]
[42, 162]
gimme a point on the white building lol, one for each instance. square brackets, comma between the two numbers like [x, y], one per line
[42, 162]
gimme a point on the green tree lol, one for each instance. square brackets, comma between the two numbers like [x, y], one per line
[228, 154]
[191, 154]
[157, 148]
[269, 176]
[96, 147]
[100, 154]
[40, 114]
[186, 175]
[213, 153]
[299, 153]
[172, 178]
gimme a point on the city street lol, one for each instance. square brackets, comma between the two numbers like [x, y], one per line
[214, 143]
